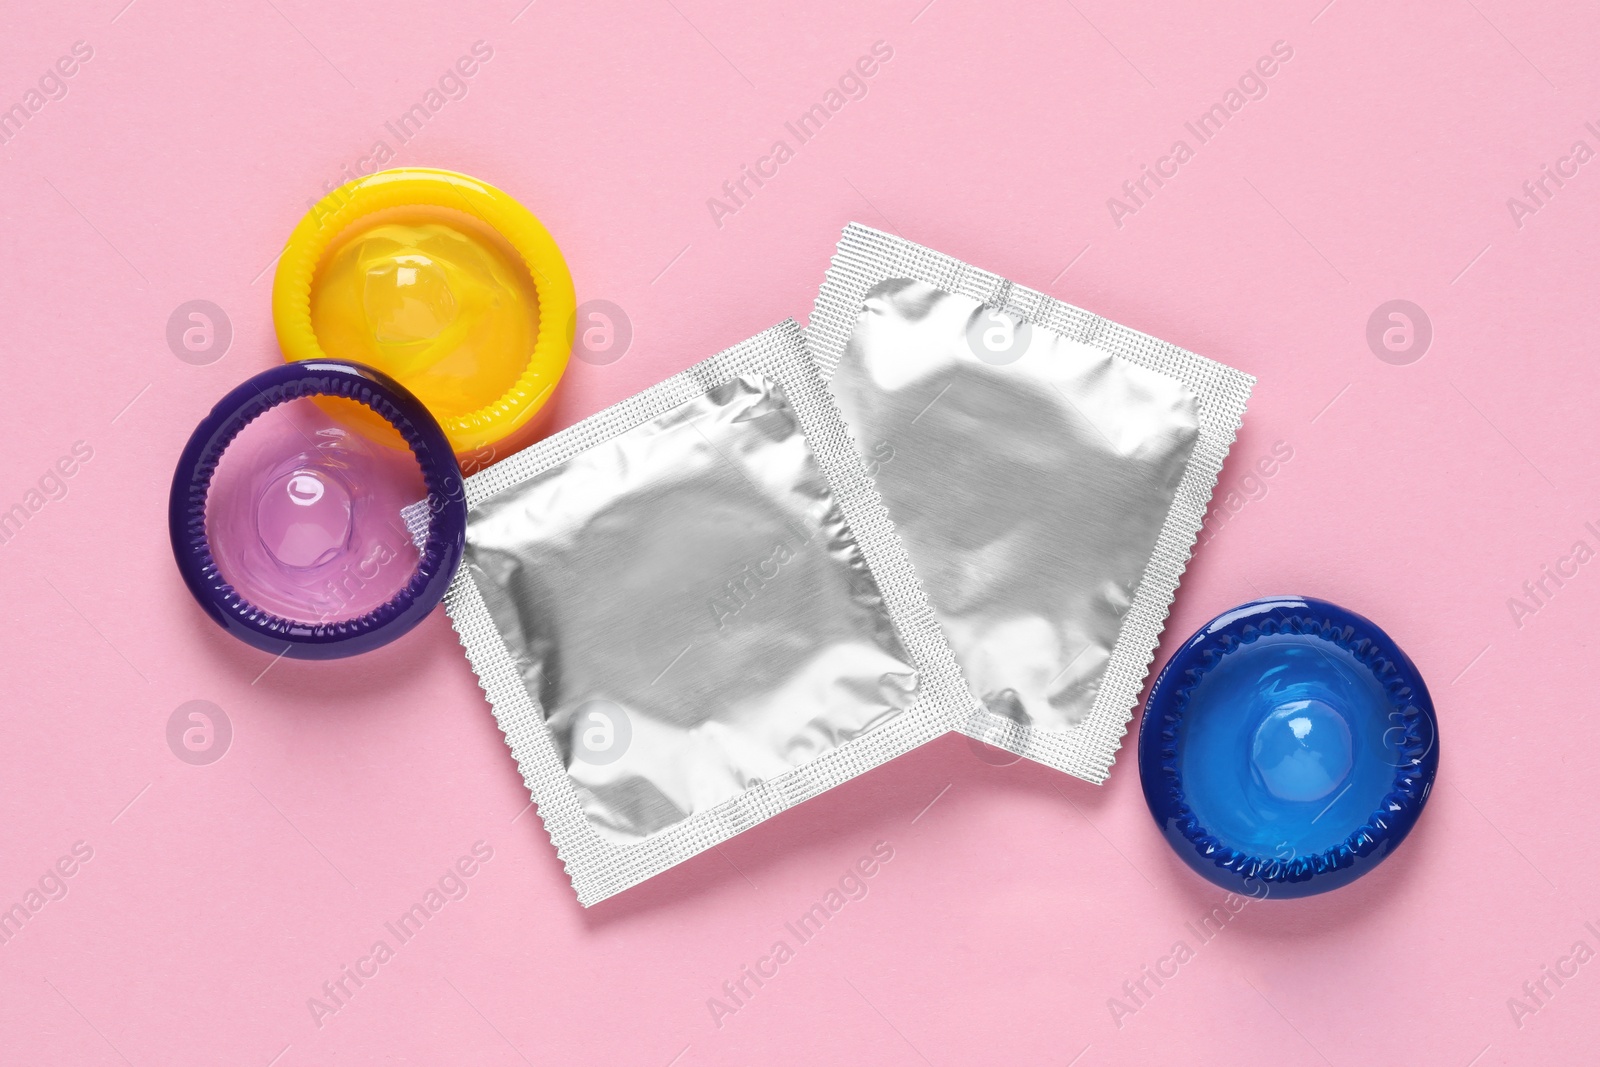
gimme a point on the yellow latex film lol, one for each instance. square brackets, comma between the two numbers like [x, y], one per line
[441, 281]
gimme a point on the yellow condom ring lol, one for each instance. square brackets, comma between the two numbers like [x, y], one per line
[420, 188]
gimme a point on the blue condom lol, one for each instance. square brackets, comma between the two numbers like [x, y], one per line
[1287, 748]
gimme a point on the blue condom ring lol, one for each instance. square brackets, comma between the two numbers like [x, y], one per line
[1287, 748]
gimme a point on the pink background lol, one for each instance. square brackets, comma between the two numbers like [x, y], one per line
[219, 898]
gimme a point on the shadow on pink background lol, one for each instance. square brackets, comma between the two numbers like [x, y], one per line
[1423, 490]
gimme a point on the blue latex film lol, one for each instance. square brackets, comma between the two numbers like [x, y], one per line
[1287, 748]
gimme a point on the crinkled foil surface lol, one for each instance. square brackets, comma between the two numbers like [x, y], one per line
[690, 607]
[1029, 476]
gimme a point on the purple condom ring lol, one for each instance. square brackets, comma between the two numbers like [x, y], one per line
[438, 557]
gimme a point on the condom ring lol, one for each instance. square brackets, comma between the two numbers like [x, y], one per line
[1287, 748]
[441, 281]
[286, 521]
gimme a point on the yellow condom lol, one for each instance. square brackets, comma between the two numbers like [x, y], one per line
[439, 280]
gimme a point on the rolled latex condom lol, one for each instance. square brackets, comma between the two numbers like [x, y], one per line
[285, 514]
[1287, 748]
[442, 282]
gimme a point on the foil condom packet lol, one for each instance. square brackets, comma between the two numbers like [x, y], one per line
[1047, 470]
[690, 612]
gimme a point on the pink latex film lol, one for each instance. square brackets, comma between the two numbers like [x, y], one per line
[303, 515]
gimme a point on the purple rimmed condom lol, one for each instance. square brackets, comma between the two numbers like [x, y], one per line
[285, 518]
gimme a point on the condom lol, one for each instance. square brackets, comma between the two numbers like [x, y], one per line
[286, 517]
[443, 282]
[1288, 748]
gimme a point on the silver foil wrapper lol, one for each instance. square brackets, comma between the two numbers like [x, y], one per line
[1047, 470]
[690, 612]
